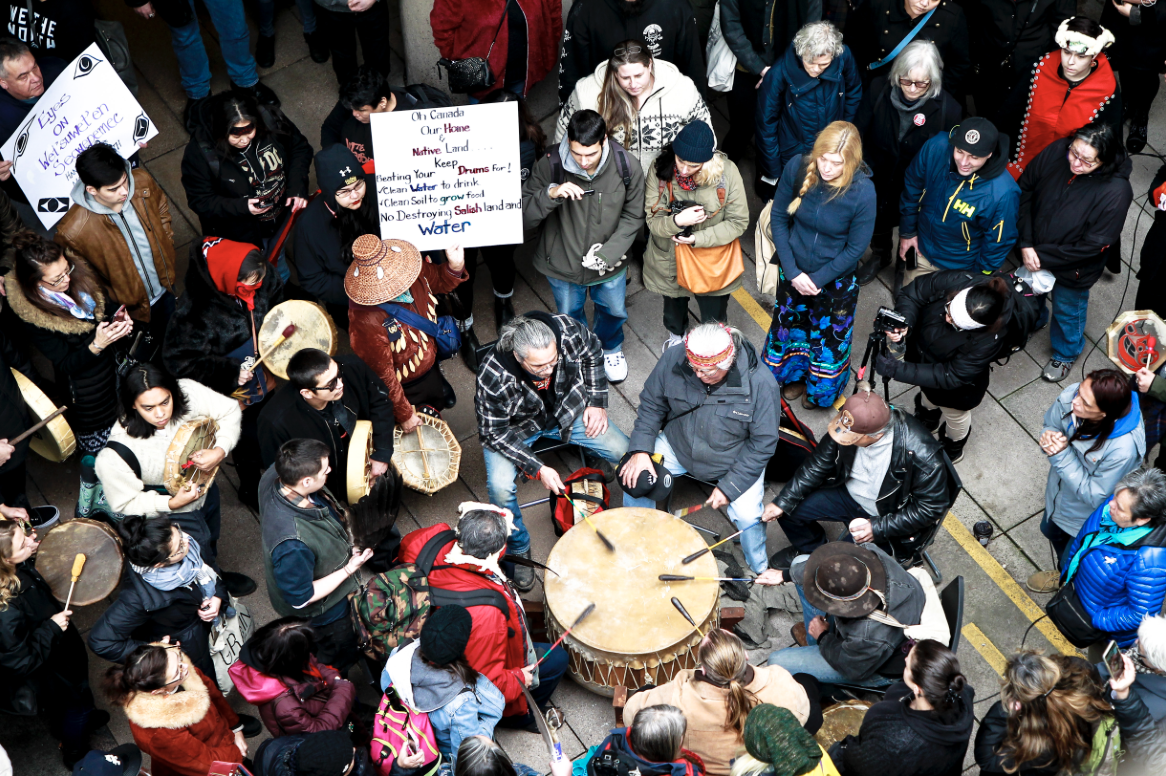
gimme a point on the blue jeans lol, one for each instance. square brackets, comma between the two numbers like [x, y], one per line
[1070, 307]
[610, 308]
[809, 660]
[500, 472]
[745, 510]
[234, 40]
[267, 17]
[829, 504]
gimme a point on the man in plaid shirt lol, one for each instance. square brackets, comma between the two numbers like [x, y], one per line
[544, 378]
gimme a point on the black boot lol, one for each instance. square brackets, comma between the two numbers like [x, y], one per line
[1136, 140]
[469, 349]
[261, 92]
[929, 418]
[869, 269]
[265, 51]
[447, 394]
[503, 311]
[954, 448]
[523, 577]
[238, 584]
[317, 46]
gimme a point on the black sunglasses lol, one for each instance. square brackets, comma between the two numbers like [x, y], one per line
[331, 385]
[246, 129]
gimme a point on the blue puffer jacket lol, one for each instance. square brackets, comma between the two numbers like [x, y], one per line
[962, 223]
[1120, 585]
[792, 107]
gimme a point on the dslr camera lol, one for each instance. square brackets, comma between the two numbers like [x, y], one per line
[888, 319]
[679, 205]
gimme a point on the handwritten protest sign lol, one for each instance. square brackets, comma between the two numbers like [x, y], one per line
[88, 103]
[447, 175]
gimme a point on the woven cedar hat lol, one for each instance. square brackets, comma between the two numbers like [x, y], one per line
[381, 270]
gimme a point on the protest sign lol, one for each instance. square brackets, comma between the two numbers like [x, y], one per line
[88, 103]
[449, 175]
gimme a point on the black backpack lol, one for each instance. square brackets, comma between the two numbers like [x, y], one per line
[1026, 310]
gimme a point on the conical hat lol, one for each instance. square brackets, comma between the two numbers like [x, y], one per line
[381, 270]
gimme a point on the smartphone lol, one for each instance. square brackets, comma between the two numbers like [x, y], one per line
[411, 745]
[588, 191]
[120, 315]
[1113, 660]
[911, 259]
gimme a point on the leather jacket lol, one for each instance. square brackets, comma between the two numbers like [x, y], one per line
[919, 487]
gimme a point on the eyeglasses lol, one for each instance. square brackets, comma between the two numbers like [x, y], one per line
[627, 51]
[542, 368]
[1082, 159]
[61, 278]
[246, 129]
[707, 372]
[183, 547]
[331, 385]
[351, 192]
[905, 82]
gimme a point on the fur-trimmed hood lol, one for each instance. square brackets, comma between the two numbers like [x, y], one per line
[173, 712]
[34, 316]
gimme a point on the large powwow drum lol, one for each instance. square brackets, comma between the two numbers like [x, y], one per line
[103, 560]
[635, 636]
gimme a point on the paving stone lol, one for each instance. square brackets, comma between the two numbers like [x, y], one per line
[1020, 370]
[1028, 405]
[171, 133]
[1036, 549]
[1001, 546]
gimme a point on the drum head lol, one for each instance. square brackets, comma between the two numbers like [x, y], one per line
[1136, 339]
[633, 613]
[428, 458]
[54, 441]
[314, 329]
[103, 560]
[191, 437]
[359, 451]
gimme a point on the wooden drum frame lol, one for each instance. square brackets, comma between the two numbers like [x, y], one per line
[103, 564]
[635, 636]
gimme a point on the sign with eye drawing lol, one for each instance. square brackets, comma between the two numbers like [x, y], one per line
[87, 104]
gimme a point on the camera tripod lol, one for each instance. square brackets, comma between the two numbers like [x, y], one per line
[876, 345]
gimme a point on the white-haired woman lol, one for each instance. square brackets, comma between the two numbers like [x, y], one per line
[900, 112]
[815, 83]
[644, 101]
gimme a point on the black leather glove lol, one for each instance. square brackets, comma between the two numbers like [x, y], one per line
[887, 366]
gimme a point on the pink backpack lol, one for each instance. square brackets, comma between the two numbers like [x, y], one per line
[394, 725]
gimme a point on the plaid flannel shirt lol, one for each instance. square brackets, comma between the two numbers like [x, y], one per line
[510, 411]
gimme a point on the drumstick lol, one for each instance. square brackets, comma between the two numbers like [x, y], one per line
[699, 553]
[582, 616]
[606, 542]
[287, 332]
[689, 510]
[679, 578]
[78, 564]
[680, 608]
[36, 427]
[424, 458]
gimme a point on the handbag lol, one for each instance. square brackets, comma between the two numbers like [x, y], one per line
[704, 270]
[221, 768]
[1072, 619]
[471, 74]
[722, 61]
[227, 637]
[763, 250]
[445, 333]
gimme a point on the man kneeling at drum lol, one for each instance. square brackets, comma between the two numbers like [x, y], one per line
[308, 557]
[711, 410]
[499, 645]
[544, 378]
[323, 399]
[871, 600]
[879, 471]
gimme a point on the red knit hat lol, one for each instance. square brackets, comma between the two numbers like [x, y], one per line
[223, 259]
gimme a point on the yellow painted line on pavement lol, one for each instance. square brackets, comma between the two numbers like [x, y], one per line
[756, 311]
[982, 644]
[1005, 582]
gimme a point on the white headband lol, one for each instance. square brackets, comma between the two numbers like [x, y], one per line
[959, 312]
[1080, 43]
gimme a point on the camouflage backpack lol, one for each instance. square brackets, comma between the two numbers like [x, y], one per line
[391, 607]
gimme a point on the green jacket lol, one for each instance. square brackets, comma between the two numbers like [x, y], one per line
[1158, 389]
[722, 227]
[611, 216]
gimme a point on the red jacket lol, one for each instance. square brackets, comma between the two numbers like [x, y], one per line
[185, 732]
[497, 646]
[279, 701]
[465, 28]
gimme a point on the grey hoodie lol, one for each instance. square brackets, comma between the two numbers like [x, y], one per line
[131, 230]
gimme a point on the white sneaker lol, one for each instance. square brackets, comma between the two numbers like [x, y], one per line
[673, 339]
[615, 366]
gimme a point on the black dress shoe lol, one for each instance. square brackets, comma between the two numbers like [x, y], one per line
[238, 584]
[469, 349]
[1136, 139]
[447, 394]
[869, 269]
[251, 726]
[96, 720]
[503, 310]
[261, 92]
[783, 559]
[317, 46]
[265, 51]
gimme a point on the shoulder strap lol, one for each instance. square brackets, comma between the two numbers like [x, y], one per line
[126, 455]
[410, 318]
[903, 43]
[467, 598]
[428, 555]
[558, 174]
[505, 11]
[621, 158]
[721, 190]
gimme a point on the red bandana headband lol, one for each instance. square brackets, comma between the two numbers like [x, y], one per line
[699, 361]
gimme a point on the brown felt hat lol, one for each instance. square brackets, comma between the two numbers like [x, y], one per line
[381, 270]
[841, 577]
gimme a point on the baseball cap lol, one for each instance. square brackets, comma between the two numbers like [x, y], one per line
[124, 760]
[655, 485]
[863, 413]
[976, 135]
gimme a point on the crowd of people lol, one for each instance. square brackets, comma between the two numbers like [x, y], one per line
[997, 139]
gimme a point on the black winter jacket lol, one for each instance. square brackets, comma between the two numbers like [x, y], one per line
[890, 23]
[595, 27]
[64, 340]
[883, 151]
[759, 31]
[142, 613]
[989, 738]
[219, 196]
[916, 493]
[1071, 219]
[1140, 46]
[29, 640]
[951, 366]
[208, 324]
[896, 740]
[13, 411]
[320, 258]
[1143, 738]
[1021, 29]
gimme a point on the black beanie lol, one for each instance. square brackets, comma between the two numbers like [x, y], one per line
[328, 753]
[337, 167]
[445, 634]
